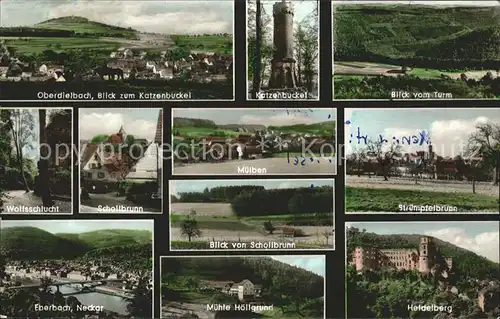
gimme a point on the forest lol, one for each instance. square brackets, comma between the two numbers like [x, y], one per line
[296, 292]
[257, 201]
[386, 293]
[416, 48]
[47, 181]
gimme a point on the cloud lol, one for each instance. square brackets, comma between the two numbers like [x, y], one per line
[448, 138]
[279, 119]
[172, 17]
[484, 244]
[93, 124]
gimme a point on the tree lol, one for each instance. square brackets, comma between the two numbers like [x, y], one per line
[269, 227]
[43, 174]
[385, 157]
[22, 128]
[485, 142]
[141, 304]
[307, 52]
[190, 228]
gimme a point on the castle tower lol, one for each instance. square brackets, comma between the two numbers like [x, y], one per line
[423, 259]
[283, 74]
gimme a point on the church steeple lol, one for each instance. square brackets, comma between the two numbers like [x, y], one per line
[122, 134]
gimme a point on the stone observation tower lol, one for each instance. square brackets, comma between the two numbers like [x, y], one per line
[283, 74]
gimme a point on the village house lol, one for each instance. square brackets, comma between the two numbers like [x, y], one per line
[244, 290]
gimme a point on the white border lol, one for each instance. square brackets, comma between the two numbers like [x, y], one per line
[146, 100]
[247, 256]
[390, 2]
[173, 182]
[247, 88]
[346, 263]
[72, 167]
[393, 110]
[80, 154]
[115, 220]
[335, 161]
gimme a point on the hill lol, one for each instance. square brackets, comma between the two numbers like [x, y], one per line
[84, 26]
[32, 243]
[327, 127]
[368, 32]
[184, 121]
[322, 128]
[466, 263]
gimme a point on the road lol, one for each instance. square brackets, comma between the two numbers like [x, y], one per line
[431, 186]
[19, 198]
[277, 166]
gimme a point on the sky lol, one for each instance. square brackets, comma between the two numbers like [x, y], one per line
[138, 122]
[449, 129]
[259, 116]
[177, 187]
[167, 16]
[79, 226]
[481, 238]
[469, 3]
[302, 9]
[313, 263]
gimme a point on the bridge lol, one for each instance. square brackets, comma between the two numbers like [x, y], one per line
[59, 283]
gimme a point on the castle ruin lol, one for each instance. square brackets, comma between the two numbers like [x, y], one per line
[422, 259]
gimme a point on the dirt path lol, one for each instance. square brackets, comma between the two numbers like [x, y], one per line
[394, 183]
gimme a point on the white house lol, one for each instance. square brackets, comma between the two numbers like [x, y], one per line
[149, 167]
[93, 167]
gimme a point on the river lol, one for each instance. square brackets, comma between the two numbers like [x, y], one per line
[110, 303]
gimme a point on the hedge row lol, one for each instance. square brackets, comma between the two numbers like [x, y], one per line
[221, 194]
[283, 202]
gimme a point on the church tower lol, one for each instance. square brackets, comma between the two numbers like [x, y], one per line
[423, 262]
[122, 134]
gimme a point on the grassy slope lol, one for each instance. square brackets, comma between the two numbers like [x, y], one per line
[402, 30]
[30, 45]
[210, 43]
[388, 200]
[42, 243]
[83, 25]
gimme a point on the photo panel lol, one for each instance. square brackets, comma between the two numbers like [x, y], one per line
[422, 161]
[236, 215]
[121, 160]
[82, 267]
[254, 141]
[243, 286]
[283, 50]
[422, 269]
[115, 50]
[419, 50]
[41, 139]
